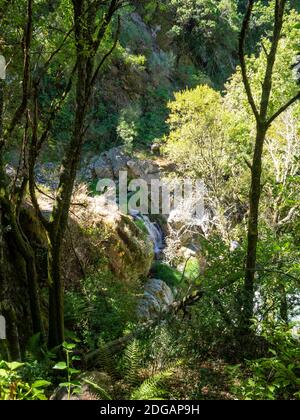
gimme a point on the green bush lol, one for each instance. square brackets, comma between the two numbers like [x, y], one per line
[14, 387]
[272, 378]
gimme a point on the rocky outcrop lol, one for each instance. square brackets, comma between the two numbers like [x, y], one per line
[110, 163]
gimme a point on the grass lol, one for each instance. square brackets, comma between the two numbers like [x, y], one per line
[169, 275]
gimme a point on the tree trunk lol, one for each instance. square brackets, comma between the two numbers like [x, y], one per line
[56, 295]
[254, 200]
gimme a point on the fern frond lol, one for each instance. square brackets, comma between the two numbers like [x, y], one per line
[105, 360]
[154, 387]
[132, 358]
[99, 391]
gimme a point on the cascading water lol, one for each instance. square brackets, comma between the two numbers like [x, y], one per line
[154, 230]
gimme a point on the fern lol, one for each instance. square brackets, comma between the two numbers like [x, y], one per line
[98, 390]
[132, 360]
[105, 360]
[153, 388]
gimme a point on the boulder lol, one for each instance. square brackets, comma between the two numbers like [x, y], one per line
[117, 159]
[127, 249]
[143, 169]
[130, 250]
[47, 174]
[156, 299]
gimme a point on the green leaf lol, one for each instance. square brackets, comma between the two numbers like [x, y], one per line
[42, 397]
[15, 365]
[74, 371]
[68, 346]
[40, 384]
[64, 384]
[76, 383]
[98, 388]
[61, 366]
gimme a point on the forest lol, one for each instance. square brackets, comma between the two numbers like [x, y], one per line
[149, 200]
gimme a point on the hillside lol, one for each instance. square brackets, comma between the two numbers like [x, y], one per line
[149, 200]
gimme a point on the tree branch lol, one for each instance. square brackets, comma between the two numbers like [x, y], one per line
[26, 71]
[242, 40]
[283, 108]
[108, 54]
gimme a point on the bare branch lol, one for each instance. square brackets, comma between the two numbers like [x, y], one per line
[242, 40]
[283, 108]
[108, 54]
[26, 71]
[268, 79]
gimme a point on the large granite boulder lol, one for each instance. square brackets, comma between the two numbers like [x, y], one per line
[156, 299]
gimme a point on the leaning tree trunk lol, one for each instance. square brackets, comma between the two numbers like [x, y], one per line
[56, 291]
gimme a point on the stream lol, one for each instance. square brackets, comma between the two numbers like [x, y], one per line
[154, 230]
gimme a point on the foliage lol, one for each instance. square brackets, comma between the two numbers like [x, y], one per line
[132, 362]
[103, 308]
[169, 275]
[127, 127]
[209, 29]
[73, 386]
[275, 377]
[13, 387]
[153, 388]
[206, 143]
[163, 83]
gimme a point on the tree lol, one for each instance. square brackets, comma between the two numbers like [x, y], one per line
[208, 29]
[264, 117]
[31, 126]
[10, 201]
[205, 142]
[89, 34]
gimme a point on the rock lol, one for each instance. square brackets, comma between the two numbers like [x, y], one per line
[155, 148]
[130, 251]
[102, 169]
[143, 169]
[109, 164]
[157, 298]
[187, 252]
[47, 174]
[117, 159]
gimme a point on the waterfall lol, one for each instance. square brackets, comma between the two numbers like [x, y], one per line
[154, 230]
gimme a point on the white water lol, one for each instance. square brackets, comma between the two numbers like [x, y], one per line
[154, 231]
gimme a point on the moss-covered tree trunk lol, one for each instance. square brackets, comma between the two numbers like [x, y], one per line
[88, 37]
[254, 200]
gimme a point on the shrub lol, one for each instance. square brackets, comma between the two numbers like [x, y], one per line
[14, 387]
[275, 377]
